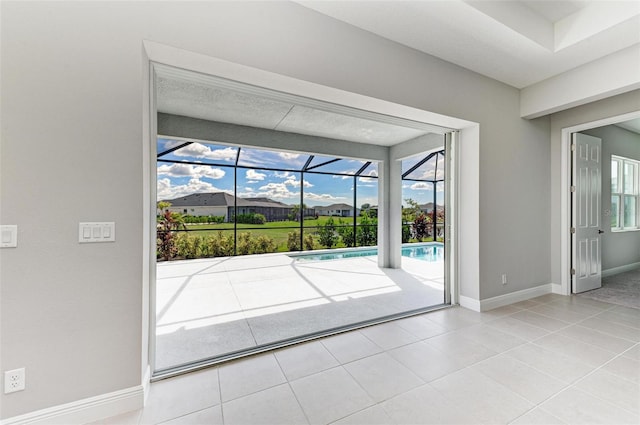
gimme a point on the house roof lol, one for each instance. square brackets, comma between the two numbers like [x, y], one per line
[223, 199]
[336, 207]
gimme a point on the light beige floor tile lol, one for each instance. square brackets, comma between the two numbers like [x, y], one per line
[627, 311]
[305, 359]
[633, 352]
[611, 328]
[524, 380]
[500, 312]
[547, 298]
[129, 418]
[518, 328]
[539, 320]
[538, 416]
[573, 304]
[482, 397]
[570, 347]
[425, 361]
[388, 335]
[564, 368]
[175, 397]
[577, 407]
[276, 405]
[526, 304]
[330, 395]
[560, 313]
[425, 405]
[613, 389]
[382, 377]
[374, 415]
[576, 300]
[456, 317]
[249, 375]
[491, 337]
[620, 318]
[599, 339]
[350, 346]
[420, 326]
[461, 350]
[210, 416]
[624, 367]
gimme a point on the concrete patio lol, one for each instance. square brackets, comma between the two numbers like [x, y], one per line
[211, 307]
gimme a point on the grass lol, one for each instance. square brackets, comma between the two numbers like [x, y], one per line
[276, 230]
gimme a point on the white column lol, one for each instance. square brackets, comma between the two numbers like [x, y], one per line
[389, 213]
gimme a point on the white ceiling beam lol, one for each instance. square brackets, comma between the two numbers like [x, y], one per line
[614, 74]
[592, 20]
[519, 18]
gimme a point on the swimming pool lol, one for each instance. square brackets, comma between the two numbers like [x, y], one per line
[430, 251]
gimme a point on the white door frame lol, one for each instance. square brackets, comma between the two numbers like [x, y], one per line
[565, 193]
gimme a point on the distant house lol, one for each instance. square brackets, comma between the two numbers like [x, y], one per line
[339, 210]
[223, 204]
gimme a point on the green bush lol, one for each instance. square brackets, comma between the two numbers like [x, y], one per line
[293, 241]
[204, 219]
[327, 234]
[251, 218]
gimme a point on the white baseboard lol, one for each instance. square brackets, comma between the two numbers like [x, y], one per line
[86, 410]
[506, 299]
[470, 303]
[621, 269]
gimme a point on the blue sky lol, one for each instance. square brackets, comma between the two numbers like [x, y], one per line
[211, 170]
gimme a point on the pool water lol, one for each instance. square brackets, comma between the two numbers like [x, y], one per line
[432, 251]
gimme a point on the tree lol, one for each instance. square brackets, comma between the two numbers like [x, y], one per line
[327, 234]
[162, 206]
[294, 215]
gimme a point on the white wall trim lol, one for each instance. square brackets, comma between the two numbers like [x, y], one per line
[556, 288]
[469, 303]
[621, 269]
[85, 410]
[565, 201]
[510, 298]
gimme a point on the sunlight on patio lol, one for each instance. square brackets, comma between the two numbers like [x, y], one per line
[211, 307]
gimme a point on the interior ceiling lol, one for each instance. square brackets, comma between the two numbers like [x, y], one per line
[517, 42]
[631, 125]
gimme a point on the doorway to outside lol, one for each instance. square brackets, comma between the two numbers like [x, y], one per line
[240, 199]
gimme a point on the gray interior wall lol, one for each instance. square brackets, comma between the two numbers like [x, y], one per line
[611, 107]
[71, 151]
[618, 248]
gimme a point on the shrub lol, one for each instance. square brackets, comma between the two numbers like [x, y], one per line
[367, 231]
[309, 242]
[251, 218]
[293, 241]
[327, 234]
[346, 233]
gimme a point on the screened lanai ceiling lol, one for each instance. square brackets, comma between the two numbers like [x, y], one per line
[210, 98]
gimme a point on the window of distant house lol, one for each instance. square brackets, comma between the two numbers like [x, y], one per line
[625, 194]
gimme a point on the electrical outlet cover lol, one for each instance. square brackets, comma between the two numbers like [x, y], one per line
[14, 380]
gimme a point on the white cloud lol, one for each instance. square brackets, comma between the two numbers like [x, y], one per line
[288, 155]
[370, 174]
[167, 191]
[276, 191]
[255, 176]
[293, 182]
[422, 186]
[189, 170]
[282, 175]
[322, 197]
[198, 150]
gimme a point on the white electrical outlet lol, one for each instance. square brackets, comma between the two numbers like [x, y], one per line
[14, 380]
[504, 279]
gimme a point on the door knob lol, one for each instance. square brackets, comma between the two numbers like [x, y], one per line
[600, 231]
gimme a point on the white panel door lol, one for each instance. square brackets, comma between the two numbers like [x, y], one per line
[587, 164]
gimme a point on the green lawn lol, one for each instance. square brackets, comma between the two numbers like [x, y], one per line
[277, 230]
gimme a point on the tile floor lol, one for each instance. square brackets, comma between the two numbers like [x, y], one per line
[550, 360]
[215, 306]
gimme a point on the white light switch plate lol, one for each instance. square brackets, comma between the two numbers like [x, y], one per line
[93, 232]
[8, 236]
